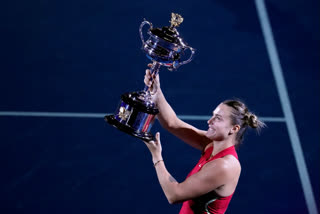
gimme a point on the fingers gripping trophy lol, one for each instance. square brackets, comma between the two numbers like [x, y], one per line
[136, 112]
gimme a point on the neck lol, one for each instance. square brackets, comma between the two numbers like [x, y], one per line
[218, 146]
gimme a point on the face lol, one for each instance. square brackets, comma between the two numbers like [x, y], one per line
[220, 126]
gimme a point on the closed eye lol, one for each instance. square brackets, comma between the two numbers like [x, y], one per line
[219, 118]
[216, 116]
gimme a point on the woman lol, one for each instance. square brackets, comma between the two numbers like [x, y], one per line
[210, 185]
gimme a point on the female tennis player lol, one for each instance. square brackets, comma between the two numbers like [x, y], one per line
[209, 187]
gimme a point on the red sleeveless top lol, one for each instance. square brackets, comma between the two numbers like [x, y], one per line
[210, 202]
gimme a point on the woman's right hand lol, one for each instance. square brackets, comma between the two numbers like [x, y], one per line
[152, 81]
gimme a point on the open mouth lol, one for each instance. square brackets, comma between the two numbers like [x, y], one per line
[210, 129]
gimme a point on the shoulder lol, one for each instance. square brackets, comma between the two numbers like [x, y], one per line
[231, 162]
[227, 166]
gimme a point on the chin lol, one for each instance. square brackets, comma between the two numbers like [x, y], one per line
[214, 137]
[210, 136]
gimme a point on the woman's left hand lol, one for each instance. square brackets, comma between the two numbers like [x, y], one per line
[155, 148]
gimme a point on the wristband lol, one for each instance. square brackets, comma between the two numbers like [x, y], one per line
[157, 162]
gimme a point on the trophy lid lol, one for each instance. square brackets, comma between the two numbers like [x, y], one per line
[170, 34]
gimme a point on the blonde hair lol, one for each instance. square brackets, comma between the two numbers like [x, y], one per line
[240, 115]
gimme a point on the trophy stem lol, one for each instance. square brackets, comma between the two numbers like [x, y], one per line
[154, 71]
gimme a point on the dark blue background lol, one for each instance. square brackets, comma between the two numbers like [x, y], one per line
[80, 56]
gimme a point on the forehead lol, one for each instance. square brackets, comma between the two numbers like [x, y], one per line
[222, 110]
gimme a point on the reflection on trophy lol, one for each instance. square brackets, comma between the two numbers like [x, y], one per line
[136, 112]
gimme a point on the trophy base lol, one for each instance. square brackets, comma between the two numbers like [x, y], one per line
[135, 115]
[145, 136]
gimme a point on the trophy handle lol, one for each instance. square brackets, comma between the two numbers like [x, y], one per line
[188, 60]
[140, 29]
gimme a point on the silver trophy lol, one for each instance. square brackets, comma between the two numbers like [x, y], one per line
[136, 112]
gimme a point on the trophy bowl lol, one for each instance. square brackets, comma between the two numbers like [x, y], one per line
[136, 111]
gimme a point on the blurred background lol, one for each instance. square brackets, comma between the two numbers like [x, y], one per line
[65, 64]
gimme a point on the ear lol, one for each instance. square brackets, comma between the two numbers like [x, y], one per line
[234, 129]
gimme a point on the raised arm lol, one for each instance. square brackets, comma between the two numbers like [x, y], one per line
[184, 131]
[169, 120]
